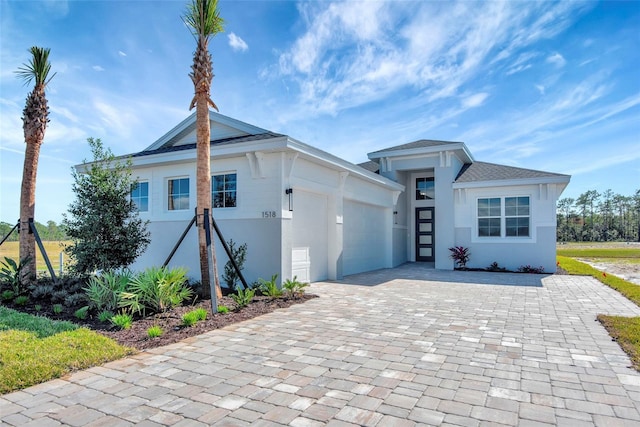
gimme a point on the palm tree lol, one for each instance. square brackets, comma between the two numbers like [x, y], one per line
[203, 18]
[35, 117]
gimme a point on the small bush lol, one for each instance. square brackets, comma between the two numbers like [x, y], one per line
[10, 272]
[21, 300]
[44, 291]
[75, 300]
[122, 320]
[495, 267]
[460, 256]
[189, 319]
[38, 307]
[57, 308]
[59, 296]
[156, 290]
[104, 291]
[239, 254]
[223, 309]
[105, 316]
[270, 287]
[529, 269]
[8, 295]
[294, 287]
[82, 312]
[243, 297]
[154, 331]
[201, 313]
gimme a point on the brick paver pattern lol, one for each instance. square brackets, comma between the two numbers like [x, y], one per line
[399, 347]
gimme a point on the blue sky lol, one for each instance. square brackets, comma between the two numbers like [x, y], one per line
[543, 85]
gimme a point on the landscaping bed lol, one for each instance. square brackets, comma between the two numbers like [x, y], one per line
[171, 321]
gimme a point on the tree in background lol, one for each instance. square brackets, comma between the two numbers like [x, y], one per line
[103, 222]
[35, 117]
[203, 18]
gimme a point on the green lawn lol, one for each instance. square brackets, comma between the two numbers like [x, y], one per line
[625, 330]
[36, 349]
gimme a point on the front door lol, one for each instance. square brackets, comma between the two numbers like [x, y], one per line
[425, 235]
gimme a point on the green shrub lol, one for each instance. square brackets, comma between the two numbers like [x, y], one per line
[201, 313]
[270, 287]
[82, 312]
[243, 297]
[75, 300]
[37, 307]
[156, 289]
[293, 287]
[239, 254]
[105, 316]
[223, 309]
[10, 272]
[460, 256]
[190, 318]
[154, 332]
[21, 300]
[122, 320]
[104, 290]
[8, 295]
[529, 269]
[57, 308]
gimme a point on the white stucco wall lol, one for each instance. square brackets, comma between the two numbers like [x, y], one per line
[539, 249]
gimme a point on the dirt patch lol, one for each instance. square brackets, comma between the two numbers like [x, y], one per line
[626, 271]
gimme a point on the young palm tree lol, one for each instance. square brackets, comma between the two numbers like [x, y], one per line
[204, 20]
[35, 117]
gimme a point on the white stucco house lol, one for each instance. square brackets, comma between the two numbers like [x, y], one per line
[304, 212]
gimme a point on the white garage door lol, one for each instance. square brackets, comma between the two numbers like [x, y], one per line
[310, 231]
[364, 232]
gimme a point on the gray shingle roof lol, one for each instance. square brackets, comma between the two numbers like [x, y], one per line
[423, 143]
[214, 143]
[371, 166]
[482, 171]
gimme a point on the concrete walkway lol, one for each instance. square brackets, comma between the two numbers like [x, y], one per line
[413, 347]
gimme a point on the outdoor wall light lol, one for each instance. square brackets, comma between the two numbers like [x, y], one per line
[289, 191]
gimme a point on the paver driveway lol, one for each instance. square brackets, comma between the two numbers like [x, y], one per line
[412, 347]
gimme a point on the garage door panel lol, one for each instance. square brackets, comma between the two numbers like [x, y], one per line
[364, 237]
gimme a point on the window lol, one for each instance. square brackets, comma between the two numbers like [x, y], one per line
[513, 221]
[489, 220]
[425, 189]
[178, 194]
[223, 191]
[516, 213]
[140, 195]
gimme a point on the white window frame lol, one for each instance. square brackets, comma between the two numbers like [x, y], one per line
[503, 238]
[224, 191]
[175, 178]
[138, 182]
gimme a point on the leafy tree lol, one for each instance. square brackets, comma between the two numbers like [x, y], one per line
[103, 222]
[204, 21]
[35, 117]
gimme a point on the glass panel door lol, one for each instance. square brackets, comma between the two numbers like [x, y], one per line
[425, 235]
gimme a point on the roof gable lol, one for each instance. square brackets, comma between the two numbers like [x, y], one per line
[222, 128]
[422, 143]
[483, 171]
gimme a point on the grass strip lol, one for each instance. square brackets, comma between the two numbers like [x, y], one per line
[599, 252]
[628, 289]
[41, 326]
[625, 330]
[34, 354]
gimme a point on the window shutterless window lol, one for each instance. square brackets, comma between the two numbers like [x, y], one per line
[140, 195]
[489, 217]
[516, 212]
[178, 194]
[504, 217]
[425, 189]
[223, 190]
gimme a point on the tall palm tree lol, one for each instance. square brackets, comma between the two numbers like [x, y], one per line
[35, 117]
[203, 18]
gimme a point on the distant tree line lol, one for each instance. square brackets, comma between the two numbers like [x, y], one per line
[49, 232]
[599, 217]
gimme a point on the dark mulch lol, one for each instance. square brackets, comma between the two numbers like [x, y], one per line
[171, 321]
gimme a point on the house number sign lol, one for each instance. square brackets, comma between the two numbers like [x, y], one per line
[268, 214]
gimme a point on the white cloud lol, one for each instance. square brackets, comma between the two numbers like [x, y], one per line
[557, 60]
[121, 53]
[98, 68]
[475, 100]
[237, 43]
[540, 89]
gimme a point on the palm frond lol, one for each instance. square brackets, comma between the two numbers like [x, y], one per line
[38, 68]
[203, 18]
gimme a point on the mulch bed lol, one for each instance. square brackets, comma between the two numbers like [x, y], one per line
[171, 321]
